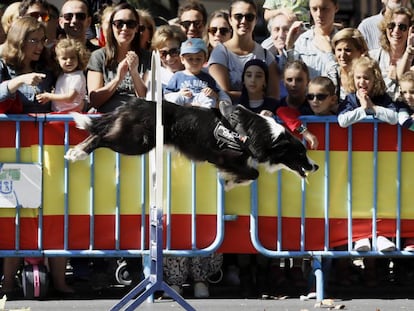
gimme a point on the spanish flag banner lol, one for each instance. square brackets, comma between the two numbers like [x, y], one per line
[364, 172]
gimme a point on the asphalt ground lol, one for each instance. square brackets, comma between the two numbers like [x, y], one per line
[290, 304]
[387, 296]
[102, 292]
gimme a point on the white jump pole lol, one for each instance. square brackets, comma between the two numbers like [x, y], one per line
[154, 281]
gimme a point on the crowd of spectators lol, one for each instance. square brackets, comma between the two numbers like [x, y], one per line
[309, 65]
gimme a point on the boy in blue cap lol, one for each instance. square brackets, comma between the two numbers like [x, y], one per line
[193, 86]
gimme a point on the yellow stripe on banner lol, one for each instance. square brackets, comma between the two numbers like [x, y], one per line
[180, 184]
[238, 200]
[131, 185]
[362, 184]
[206, 183]
[387, 185]
[53, 180]
[8, 154]
[338, 191]
[407, 185]
[105, 182]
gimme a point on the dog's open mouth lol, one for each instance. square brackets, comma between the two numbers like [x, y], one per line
[304, 173]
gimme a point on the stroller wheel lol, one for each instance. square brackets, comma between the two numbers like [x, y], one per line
[122, 275]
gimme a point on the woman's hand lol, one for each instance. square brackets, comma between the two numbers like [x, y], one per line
[410, 42]
[133, 62]
[32, 78]
[122, 69]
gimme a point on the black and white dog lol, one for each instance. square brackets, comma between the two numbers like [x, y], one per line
[201, 135]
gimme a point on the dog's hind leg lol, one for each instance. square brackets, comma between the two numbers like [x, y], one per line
[83, 149]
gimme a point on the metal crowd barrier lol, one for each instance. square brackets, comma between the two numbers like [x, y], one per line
[99, 207]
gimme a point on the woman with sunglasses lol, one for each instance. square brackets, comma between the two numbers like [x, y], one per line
[116, 71]
[218, 29]
[396, 54]
[167, 40]
[227, 60]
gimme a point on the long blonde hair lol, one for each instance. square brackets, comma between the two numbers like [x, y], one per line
[367, 62]
[14, 51]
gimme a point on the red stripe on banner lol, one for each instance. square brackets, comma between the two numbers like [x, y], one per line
[236, 239]
[362, 137]
[55, 131]
[29, 134]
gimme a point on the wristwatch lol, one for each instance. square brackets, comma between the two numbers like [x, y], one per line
[301, 129]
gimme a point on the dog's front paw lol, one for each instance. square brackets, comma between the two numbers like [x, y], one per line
[74, 154]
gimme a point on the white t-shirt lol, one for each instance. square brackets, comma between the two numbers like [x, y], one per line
[235, 63]
[67, 82]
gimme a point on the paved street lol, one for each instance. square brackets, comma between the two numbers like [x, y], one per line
[293, 304]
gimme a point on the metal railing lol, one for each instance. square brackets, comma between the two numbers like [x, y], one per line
[84, 201]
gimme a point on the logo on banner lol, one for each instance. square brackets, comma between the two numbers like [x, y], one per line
[6, 180]
[20, 185]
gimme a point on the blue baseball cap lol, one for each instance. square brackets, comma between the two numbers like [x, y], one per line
[192, 46]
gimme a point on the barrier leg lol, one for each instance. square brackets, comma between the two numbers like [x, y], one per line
[317, 270]
[154, 281]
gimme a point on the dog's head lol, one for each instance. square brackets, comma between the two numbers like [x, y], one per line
[288, 152]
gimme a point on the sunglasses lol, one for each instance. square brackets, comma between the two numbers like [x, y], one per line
[317, 96]
[45, 17]
[222, 30]
[401, 27]
[130, 23]
[187, 24]
[249, 17]
[79, 16]
[172, 52]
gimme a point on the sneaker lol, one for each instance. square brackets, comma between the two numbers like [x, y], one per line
[201, 290]
[385, 245]
[409, 245]
[363, 245]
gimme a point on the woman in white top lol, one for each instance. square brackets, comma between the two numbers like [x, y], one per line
[227, 60]
[396, 54]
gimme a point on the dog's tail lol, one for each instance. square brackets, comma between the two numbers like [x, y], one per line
[82, 121]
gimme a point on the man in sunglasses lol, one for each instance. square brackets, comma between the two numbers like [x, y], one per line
[192, 17]
[75, 20]
[369, 26]
[39, 9]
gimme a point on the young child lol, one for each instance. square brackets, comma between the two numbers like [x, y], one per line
[253, 96]
[321, 96]
[368, 95]
[296, 79]
[70, 89]
[192, 86]
[406, 109]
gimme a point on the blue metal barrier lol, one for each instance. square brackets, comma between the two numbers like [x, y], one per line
[221, 216]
